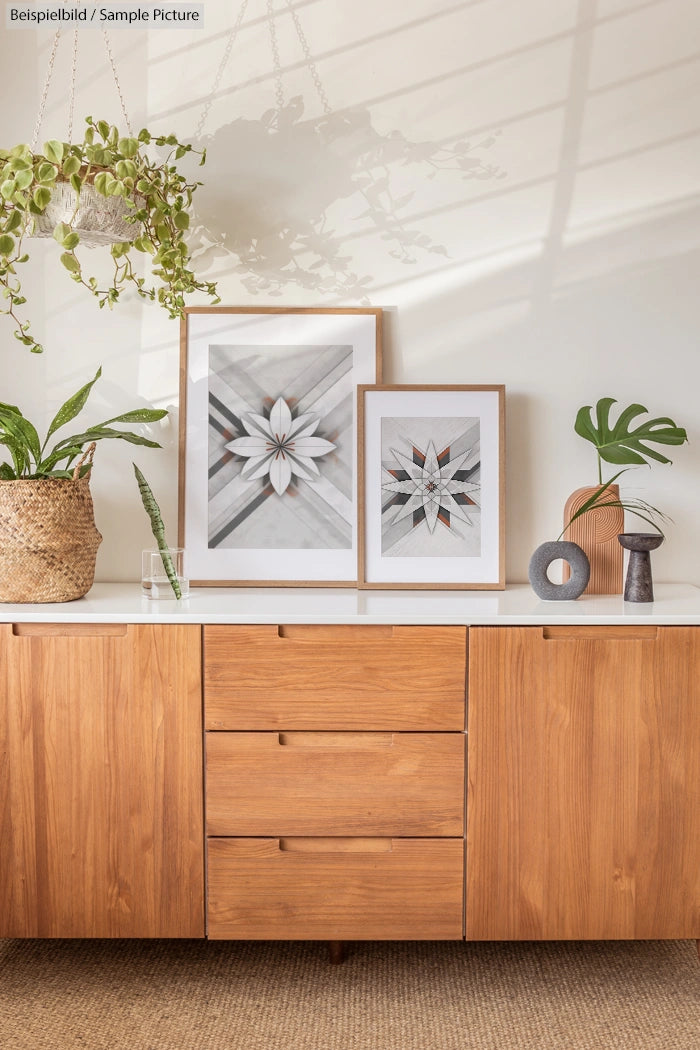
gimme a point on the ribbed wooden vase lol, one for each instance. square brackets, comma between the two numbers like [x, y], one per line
[596, 533]
[48, 540]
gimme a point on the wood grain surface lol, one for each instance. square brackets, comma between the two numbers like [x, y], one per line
[334, 677]
[335, 889]
[302, 783]
[583, 784]
[101, 800]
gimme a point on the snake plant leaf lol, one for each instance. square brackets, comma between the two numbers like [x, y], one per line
[158, 529]
[617, 443]
[70, 408]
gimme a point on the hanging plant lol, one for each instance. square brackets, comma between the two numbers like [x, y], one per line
[106, 190]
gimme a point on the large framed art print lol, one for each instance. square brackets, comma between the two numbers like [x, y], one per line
[268, 488]
[431, 464]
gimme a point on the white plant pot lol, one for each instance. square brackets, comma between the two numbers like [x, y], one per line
[98, 220]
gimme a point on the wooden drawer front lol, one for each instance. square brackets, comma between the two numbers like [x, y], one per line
[335, 783]
[335, 889]
[334, 677]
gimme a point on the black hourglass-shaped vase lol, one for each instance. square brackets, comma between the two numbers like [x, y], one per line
[638, 584]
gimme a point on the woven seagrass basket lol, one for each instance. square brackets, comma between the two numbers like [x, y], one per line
[48, 539]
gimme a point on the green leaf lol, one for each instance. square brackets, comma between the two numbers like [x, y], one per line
[126, 169]
[7, 189]
[14, 221]
[138, 415]
[181, 220]
[42, 197]
[70, 408]
[617, 443]
[71, 241]
[21, 431]
[70, 262]
[128, 147]
[7, 244]
[98, 433]
[7, 473]
[158, 529]
[103, 128]
[48, 172]
[53, 151]
[101, 182]
[61, 231]
[24, 179]
[71, 165]
[76, 183]
[56, 456]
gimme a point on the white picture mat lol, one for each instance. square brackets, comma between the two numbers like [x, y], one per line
[266, 565]
[425, 403]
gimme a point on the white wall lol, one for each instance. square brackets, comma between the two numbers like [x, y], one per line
[561, 259]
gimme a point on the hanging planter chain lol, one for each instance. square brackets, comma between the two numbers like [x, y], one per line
[98, 220]
[277, 65]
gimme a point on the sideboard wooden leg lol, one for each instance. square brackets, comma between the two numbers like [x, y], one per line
[336, 952]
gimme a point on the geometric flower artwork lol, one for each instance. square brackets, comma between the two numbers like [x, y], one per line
[268, 490]
[281, 447]
[431, 463]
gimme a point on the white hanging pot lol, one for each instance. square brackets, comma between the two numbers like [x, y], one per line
[98, 220]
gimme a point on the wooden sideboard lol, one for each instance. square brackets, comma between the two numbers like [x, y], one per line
[494, 775]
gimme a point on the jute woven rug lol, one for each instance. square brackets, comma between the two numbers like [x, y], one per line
[182, 995]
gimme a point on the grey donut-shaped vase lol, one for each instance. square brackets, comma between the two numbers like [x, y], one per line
[578, 563]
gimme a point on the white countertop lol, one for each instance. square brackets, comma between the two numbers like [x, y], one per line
[122, 603]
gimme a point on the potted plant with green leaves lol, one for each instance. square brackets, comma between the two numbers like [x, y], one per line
[591, 543]
[48, 537]
[111, 190]
[594, 516]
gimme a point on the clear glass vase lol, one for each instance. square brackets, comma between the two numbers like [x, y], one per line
[155, 582]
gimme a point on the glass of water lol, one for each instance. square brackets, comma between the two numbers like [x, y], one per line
[155, 582]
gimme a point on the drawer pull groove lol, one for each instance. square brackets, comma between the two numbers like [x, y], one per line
[69, 630]
[345, 740]
[602, 633]
[334, 845]
[322, 632]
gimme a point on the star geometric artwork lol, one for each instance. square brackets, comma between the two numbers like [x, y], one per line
[280, 447]
[431, 491]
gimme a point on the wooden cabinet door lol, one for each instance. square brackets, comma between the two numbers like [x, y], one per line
[100, 781]
[583, 783]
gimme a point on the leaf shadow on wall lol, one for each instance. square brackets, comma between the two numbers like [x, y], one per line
[275, 182]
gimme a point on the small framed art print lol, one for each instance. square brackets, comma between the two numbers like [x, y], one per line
[431, 466]
[268, 442]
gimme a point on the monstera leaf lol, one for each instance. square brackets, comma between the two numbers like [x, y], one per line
[617, 443]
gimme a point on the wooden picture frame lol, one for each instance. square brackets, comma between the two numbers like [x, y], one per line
[432, 487]
[267, 498]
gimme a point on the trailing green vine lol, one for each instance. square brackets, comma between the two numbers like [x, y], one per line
[157, 198]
